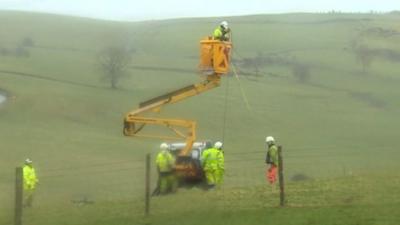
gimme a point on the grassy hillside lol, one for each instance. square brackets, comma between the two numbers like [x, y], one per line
[337, 122]
[349, 200]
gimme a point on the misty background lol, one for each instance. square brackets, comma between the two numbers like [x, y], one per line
[324, 84]
[159, 9]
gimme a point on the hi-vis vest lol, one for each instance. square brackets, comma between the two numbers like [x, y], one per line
[212, 159]
[30, 179]
[165, 161]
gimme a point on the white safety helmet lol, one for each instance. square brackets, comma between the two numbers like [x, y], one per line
[224, 24]
[269, 139]
[218, 145]
[28, 161]
[164, 146]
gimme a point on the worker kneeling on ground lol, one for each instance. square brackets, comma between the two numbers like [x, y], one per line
[222, 32]
[213, 165]
[165, 166]
[271, 160]
[30, 182]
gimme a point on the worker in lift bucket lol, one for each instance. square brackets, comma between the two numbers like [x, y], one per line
[165, 166]
[271, 160]
[222, 32]
[213, 165]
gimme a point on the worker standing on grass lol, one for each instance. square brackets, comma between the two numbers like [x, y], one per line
[30, 182]
[222, 32]
[221, 163]
[213, 165]
[165, 166]
[271, 160]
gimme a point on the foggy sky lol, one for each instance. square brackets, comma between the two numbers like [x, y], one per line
[163, 9]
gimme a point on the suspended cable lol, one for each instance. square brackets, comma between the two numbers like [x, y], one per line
[241, 88]
[225, 110]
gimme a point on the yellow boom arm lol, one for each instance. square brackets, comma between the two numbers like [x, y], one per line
[214, 62]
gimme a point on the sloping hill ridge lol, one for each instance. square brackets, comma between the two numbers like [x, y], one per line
[334, 114]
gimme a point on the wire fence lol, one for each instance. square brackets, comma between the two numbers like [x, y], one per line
[232, 160]
[69, 187]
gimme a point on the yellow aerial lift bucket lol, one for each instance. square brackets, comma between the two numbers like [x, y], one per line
[214, 56]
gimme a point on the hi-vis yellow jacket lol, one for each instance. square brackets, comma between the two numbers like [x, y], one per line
[213, 159]
[221, 34]
[30, 178]
[165, 161]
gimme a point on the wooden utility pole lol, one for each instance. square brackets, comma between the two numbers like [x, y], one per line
[281, 180]
[18, 196]
[147, 185]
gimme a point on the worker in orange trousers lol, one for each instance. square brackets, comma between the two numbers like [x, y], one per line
[271, 160]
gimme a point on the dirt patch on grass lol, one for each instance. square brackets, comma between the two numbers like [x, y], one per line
[300, 177]
[368, 98]
[365, 97]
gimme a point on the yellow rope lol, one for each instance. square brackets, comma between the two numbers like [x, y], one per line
[241, 88]
[225, 110]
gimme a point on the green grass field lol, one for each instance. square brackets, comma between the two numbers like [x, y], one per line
[339, 127]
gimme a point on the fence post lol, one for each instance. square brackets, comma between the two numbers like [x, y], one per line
[281, 180]
[18, 196]
[147, 185]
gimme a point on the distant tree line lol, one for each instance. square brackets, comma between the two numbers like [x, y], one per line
[19, 51]
[379, 31]
[365, 54]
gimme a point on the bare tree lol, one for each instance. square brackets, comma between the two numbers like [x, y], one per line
[301, 72]
[27, 42]
[364, 56]
[4, 51]
[21, 52]
[113, 63]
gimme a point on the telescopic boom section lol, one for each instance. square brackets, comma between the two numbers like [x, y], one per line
[214, 63]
